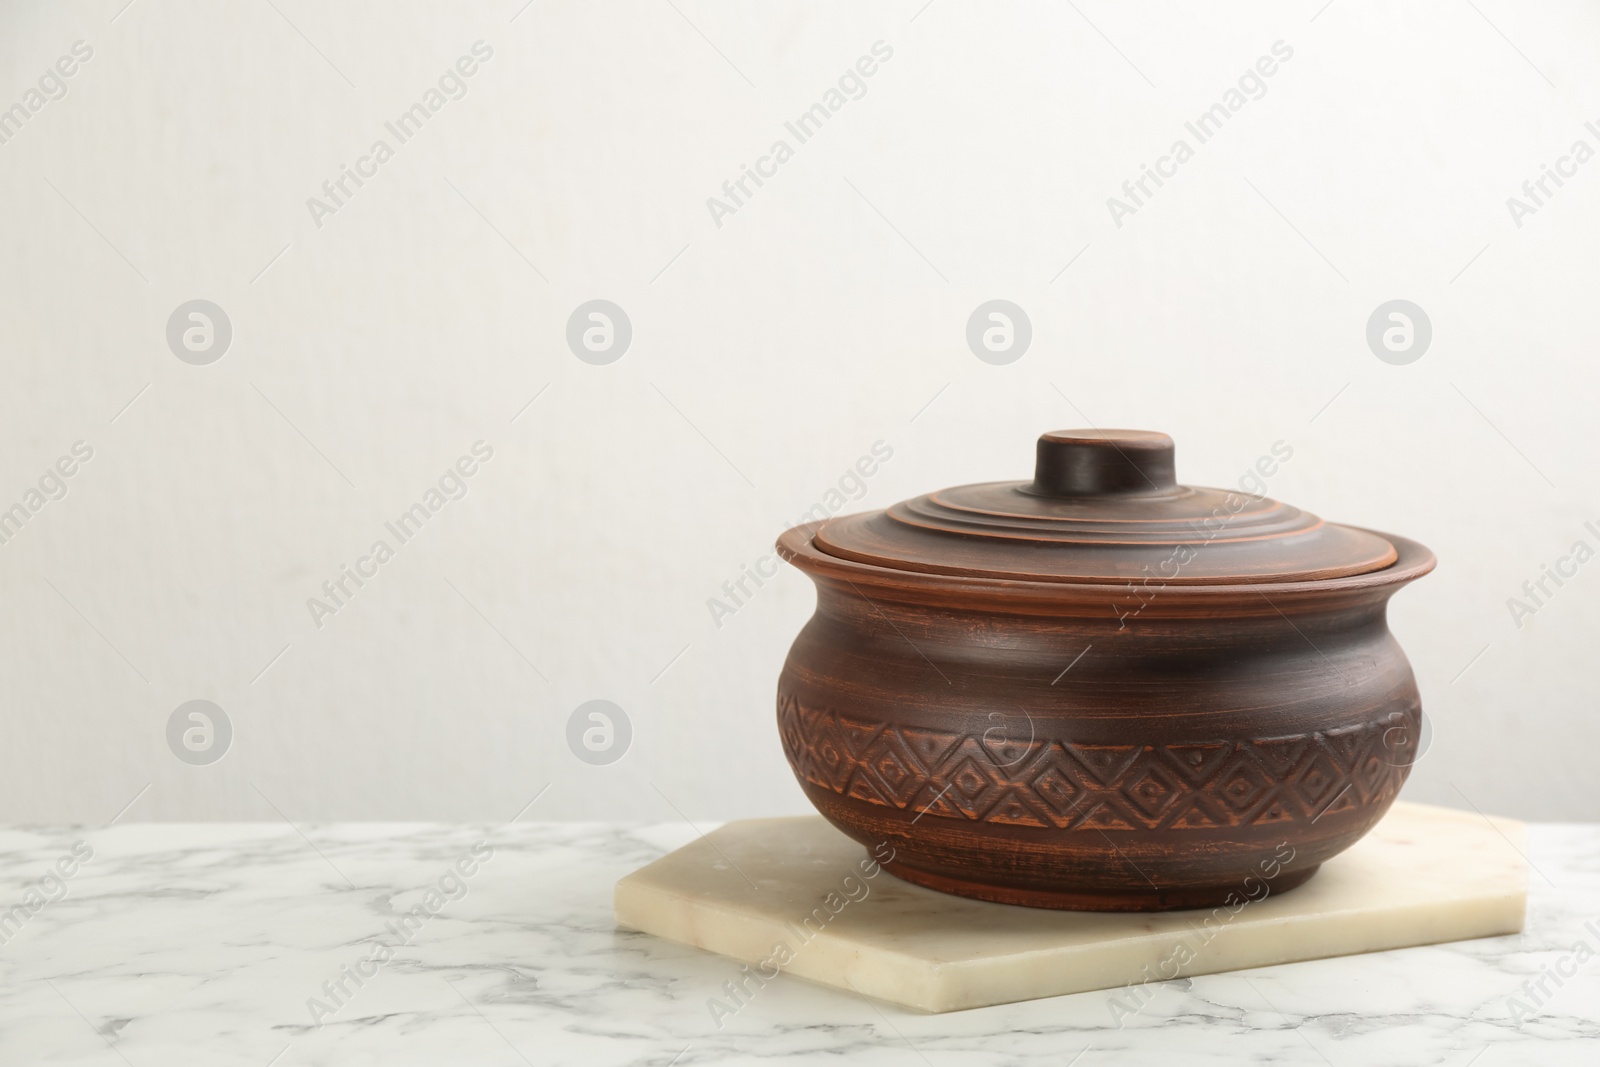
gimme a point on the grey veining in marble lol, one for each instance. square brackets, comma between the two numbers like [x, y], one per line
[212, 944]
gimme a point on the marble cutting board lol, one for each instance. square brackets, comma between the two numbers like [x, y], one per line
[797, 896]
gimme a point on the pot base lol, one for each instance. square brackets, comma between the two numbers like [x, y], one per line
[799, 896]
[1176, 899]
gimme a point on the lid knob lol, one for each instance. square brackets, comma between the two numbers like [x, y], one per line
[1103, 462]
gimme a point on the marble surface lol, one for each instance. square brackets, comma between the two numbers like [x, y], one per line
[797, 896]
[202, 944]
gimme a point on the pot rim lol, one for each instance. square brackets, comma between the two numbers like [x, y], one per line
[797, 546]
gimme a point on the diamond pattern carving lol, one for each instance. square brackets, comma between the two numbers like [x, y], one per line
[1199, 785]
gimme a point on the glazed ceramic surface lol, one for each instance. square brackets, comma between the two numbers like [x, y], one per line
[1100, 689]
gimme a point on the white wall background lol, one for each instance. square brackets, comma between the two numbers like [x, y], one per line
[768, 354]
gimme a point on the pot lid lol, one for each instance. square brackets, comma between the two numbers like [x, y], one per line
[1104, 506]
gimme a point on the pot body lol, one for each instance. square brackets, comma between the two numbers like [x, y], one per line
[1103, 748]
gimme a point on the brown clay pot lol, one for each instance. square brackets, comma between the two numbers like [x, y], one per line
[1100, 689]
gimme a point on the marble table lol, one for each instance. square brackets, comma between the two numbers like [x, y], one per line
[252, 944]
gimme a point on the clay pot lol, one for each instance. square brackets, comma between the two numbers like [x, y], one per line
[1100, 689]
